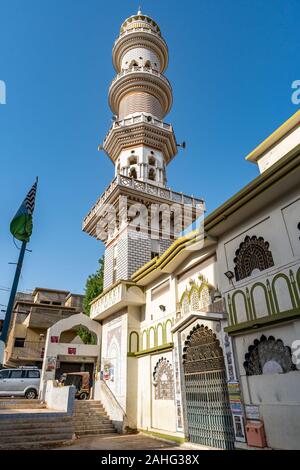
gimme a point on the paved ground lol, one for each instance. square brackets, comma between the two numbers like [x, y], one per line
[120, 442]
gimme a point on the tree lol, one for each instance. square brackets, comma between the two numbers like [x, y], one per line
[93, 286]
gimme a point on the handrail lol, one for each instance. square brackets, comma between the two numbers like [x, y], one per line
[116, 402]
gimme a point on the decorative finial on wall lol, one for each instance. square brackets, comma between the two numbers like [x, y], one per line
[139, 10]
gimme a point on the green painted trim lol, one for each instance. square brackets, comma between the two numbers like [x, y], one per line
[165, 330]
[239, 291]
[180, 440]
[144, 332]
[294, 286]
[262, 322]
[154, 330]
[183, 295]
[269, 289]
[138, 340]
[259, 284]
[298, 278]
[285, 277]
[232, 321]
[251, 314]
[164, 347]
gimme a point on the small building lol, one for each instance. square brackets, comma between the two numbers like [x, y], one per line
[33, 314]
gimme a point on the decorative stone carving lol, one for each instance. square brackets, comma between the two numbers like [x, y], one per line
[163, 380]
[253, 253]
[202, 351]
[268, 356]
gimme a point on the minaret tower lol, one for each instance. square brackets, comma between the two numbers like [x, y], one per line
[140, 145]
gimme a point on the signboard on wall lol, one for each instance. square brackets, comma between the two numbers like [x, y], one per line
[235, 401]
[51, 363]
[252, 412]
[108, 371]
[236, 406]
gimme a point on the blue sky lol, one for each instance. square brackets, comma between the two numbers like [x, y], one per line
[232, 63]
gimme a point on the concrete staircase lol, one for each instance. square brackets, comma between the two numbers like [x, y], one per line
[26, 424]
[90, 418]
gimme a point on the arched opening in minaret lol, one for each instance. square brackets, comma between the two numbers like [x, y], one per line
[132, 173]
[133, 63]
[151, 161]
[132, 160]
[148, 64]
[151, 174]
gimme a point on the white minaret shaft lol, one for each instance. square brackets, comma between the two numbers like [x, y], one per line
[139, 143]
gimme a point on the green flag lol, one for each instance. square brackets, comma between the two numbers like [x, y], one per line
[21, 225]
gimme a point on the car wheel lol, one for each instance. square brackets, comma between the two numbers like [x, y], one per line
[31, 394]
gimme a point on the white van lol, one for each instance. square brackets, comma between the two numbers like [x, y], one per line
[22, 382]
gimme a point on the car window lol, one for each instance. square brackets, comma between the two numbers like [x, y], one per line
[16, 374]
[33, 374]
[4, 374]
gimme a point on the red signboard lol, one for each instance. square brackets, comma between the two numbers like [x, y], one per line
[71, 350]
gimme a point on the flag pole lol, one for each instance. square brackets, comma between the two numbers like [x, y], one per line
[12, 296]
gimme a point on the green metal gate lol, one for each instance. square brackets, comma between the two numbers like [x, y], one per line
[208, 411]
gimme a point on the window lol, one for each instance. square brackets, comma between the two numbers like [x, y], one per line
[132, 173]
[151, 175]
[45, 302]
[19, 342]
[132, 160]
[4, 374]
[148, 64]
[154, 248]
[16, 374]
[56, 303]
[32, 374]
[252, 254]
[151, 161]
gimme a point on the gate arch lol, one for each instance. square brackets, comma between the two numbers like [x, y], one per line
[208, 410]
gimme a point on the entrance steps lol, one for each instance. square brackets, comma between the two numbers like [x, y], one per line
[20, 404]
[90, 418]
[26, 424]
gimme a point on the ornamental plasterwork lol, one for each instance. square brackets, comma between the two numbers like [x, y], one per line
[202, 351]
[163, 380]
[268, 356]
[198, 296]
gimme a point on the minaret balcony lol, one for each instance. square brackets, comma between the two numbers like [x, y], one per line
[140, 129]
[140, 37]
[140, 79]
[140, 191]
[119, 295]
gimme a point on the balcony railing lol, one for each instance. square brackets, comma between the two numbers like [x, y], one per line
[147, 188]
[31, 350]
[137, 69]
[133, 120]
[138, 30]
[216, 307]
